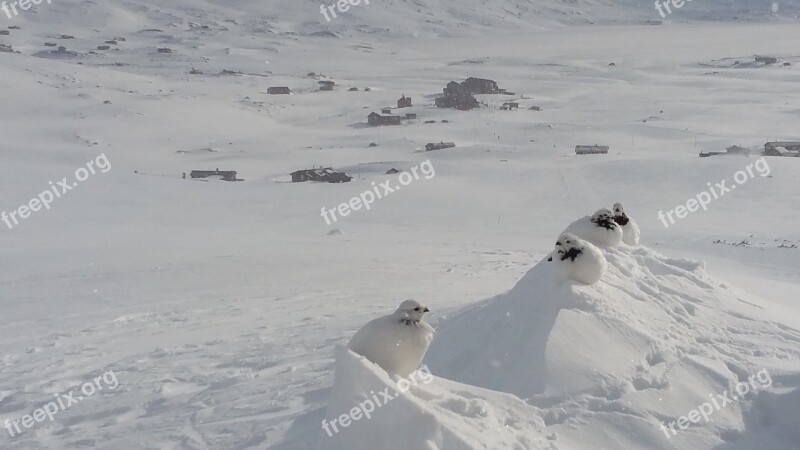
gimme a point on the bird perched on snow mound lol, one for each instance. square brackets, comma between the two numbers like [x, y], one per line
[396, 342]
[630, 230]
[599, 229]
[578, 260]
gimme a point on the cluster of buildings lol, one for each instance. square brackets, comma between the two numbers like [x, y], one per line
[458, 96]
[324, 85]
[322, 174]
[387, 118]
[461, 96]
[774, 148]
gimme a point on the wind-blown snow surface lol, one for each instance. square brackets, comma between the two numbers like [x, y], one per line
[219, 305]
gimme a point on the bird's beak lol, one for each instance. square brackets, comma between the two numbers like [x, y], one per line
[550, 259]
[426, 310]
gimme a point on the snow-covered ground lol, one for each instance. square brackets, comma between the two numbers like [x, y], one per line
[220, 306]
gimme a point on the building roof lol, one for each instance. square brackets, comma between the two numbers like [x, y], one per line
[321, 171]
[482, 80]
[212, 172]
[387, 116]
[581, 149]
[782, 144]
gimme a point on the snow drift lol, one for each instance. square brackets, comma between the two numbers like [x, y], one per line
[644, 346]
[601, 366]
[434, 414]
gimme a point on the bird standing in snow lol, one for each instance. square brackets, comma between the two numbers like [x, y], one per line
[578, 260]
[599, 229]
[396, 342]
[630, 230]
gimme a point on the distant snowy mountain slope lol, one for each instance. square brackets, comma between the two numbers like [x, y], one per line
[297, 18]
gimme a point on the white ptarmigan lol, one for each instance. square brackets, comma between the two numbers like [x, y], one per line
[396, 342]
[599, 229]
[578, 260]
[630, 230]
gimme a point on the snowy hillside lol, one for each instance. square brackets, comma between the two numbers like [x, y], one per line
[171, 313]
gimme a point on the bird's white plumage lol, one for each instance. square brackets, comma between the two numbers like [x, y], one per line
[579, 260]
[397, 342]
[630, 230]
[599, 229]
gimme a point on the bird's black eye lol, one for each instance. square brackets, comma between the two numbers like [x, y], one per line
[416, 309]
[569, 242]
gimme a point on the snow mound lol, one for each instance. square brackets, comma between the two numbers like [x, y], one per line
[433, 414]
[653, 339]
